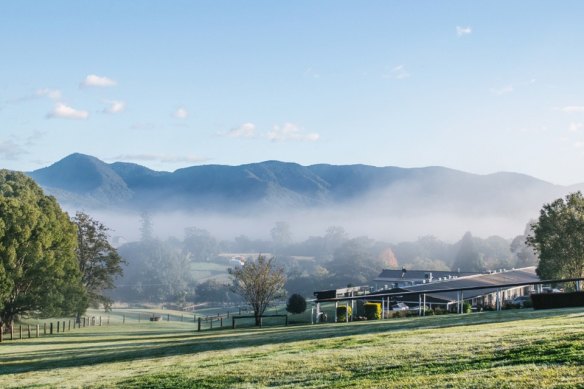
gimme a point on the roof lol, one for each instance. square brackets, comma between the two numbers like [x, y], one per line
[489, 281]
[398, 274]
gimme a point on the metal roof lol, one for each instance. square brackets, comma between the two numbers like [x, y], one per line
[408, 275]
[490, 282]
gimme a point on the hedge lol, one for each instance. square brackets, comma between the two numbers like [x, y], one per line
[341, 313]
[372, 310]
[557, 300]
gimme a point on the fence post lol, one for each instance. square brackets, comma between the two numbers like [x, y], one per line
[69, 325]
[168, 317]
[1, 333]
[51, 328]
[37, 330]
[12, 332]
[181, 317]
[211, 323]
[45, 328]
[28, 331]
[20, 332]
[100, 321]
[286, 324]
[220, 322]
[83, 322]
[139, 317]
[199, 325]
[233, 322]
[123, 319]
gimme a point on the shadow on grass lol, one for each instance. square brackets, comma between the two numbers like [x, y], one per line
[130, 346]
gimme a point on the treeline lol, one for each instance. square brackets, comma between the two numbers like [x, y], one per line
[165, 271]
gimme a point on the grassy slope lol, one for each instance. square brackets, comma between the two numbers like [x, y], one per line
[521, 348]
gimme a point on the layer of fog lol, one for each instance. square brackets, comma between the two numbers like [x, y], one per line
[314, 222]
[403, 212]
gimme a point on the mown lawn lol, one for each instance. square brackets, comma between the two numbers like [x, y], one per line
[519, 348]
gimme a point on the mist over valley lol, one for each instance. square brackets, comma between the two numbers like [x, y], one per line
[387, 203]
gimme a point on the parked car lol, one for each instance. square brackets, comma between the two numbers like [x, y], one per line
[521, 301]
[399, 307]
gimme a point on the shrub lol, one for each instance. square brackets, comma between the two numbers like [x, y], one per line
[466, 307]
[372, 310]
[440, 311]
[296, 304]
[342, 312]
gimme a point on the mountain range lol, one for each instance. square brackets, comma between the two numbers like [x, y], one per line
[83, 181]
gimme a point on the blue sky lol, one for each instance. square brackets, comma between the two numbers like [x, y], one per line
[476, 86]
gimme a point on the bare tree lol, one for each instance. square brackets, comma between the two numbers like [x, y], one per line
[259, 283]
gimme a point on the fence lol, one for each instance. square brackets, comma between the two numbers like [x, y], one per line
[50, 328]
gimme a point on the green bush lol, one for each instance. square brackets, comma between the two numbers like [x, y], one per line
[342, 312]
[466, 307]
[440, 311]
[296, 304]
[372, 310]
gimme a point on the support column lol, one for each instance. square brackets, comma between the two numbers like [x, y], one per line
[336, 306]
[347, 312]
[419, 305]
[424, 314]
[462, 302]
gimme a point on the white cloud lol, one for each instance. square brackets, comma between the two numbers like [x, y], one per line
[506, 89]
[573, 109]
[576, 127]
[163, 158]
[578, 145]
[291, 132]
[99, 81]
[462, 31]
[181, 113]
[10, 150]
[246, 130]
[63, 111]
[115, 106]
[398, 72]
[53, 94]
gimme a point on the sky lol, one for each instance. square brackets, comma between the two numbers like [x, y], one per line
[479, 86]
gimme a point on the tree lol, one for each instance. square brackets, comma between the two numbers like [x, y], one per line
[39, 273]
[357, 261]
[258, 283]
[525, 255]
[281, 235]
[146, 228]
[99, 261]
[200, 244]
[296, 304]
[558, 238]
[468, 258]
[156, 271]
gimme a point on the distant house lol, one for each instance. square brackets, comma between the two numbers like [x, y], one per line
[485, 297]
[390, 278]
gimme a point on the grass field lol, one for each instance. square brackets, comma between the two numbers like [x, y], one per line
[516, 348]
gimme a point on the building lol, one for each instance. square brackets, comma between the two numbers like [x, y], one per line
[490, 290]
[390, 278]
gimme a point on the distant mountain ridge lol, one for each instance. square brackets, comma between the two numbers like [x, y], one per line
[84, 181]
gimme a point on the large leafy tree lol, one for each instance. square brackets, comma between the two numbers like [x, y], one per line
[99, 261]
[259, 283]
[558, 238]
[39, 273]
